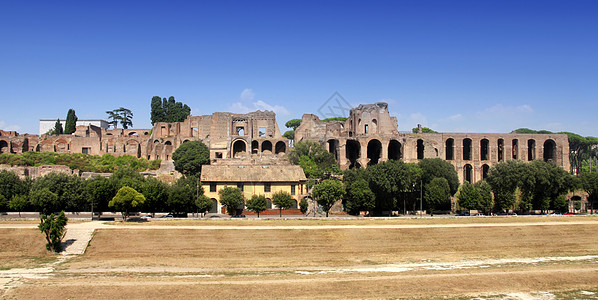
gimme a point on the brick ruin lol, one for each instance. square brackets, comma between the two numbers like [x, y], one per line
[370, 135]
[367, 137]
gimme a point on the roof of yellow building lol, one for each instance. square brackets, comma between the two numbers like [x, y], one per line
[252, 173]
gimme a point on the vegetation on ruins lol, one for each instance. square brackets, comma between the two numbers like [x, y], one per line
[282, 200]
[78, 161]
[315, 161]
[333, 119]
[170, 110]
[121, 115]
[257, 204]
[190, 156]
[71, 122]
[327, 193]
[126, 200]
[53, 228]
[424, 130]
[232, 198]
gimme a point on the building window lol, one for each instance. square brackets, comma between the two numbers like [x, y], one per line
[267, 188]
[86, 150]
[366, 128]
[293, 189]
[262, 131]
[240, 186]
[212, 187]
[218, 154]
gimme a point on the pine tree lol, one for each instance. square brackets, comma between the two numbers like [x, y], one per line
[71, 122]
[57, 127]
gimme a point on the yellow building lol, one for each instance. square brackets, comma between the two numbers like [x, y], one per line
[253, 180]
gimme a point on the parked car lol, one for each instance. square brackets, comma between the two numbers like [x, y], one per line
[167, 216]
[480, 215]
[462, 213]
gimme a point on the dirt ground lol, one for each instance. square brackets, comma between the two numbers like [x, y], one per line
[533, 260]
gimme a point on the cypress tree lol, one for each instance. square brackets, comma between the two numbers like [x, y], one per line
[57, 127]
[71, 122]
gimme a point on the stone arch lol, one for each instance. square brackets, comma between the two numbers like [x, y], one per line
[515, 147]
[333, 147]
[168, 143]
[239, 148]
[485, 170]
[550, 151]
[395, 150]
[449, 149]
[374, 151]
[420, 149]
[467, 149]
[132, 133]
[185, 141]
[531, 149]
[156, 141]
[266, 146]
[353, 153]
[4, 147]
[214, 208]
[484, 149]
[255, 147]
[501, 149]
[468, 173]
[280, 147]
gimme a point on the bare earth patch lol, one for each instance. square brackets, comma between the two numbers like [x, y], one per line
[349, 260]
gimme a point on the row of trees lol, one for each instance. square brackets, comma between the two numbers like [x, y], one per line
[56, 192]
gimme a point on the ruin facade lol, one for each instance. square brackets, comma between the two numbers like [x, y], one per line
[370, 135]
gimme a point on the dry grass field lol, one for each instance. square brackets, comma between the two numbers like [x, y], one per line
[453, 258]
[22, 248]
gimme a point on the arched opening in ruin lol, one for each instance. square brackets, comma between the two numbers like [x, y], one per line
[132, 133]
[449, 149]
[550, 151]
[266, 146]
[156, 141]
[515, 147]
[394, 150]
[280, 147]
[484, 149]
[4, 147]
[531, 149]
[468, 172]
[501, 149]
[333, 147]
[353, 153]
[168, 143]
[420, 149]
[239, 148]
[255, 147]
[185, 141]
[485, 170]
[466, 149]
[374, 152]
[214, 208]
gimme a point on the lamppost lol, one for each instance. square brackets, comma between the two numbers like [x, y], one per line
[421, 196]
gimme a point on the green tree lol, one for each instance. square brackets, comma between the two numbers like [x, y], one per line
[327, 193]
[99, 191]
[232, 198]
[126, 199]
[190, 156]
[589, 183]
[485, 201]
[282, 200]
[68, 188]
[156, 195]
[504, 179]
[203, 204]
[121, 115]
[383, 180]
[44, 200]
[294, 123]
[435, 168]
[163, 110]
[303, 205]
[71, 122]
[424, 130]
[437, 193]
[289, 134]
[54, 229]
[257, 203]
[18, 203]
[11, 185]
[183, 194]
[469, 196]
[57, 128]
[360, 197]
[127, 176]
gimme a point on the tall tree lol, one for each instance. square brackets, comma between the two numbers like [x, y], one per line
[71, 122]
[121, 115]
[282, 200]
[327, 193]
[53, 227]
[232, 198]
[190, 156]
[57, 128]
[170, 110]
[360, 197]
[437, 193]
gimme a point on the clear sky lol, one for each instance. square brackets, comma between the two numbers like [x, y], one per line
[453, 66]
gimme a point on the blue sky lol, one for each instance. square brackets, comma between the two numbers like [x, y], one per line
[454, 66]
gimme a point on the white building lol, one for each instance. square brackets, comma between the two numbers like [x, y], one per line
[46, 125]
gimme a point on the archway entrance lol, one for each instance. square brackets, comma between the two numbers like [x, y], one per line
[550, 151]
[449, 150]
[394, 150]
[467, 149]
[468, 173]
[239, 148]
[280, 147]
[374, 152]
[353, 153]
[266, 146]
